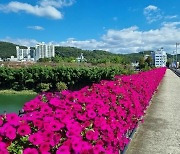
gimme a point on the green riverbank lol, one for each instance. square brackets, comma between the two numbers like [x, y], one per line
[13, 92]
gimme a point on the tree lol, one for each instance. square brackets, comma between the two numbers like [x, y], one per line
[57, 59]
[167, 63]
[141, 63]
[149, 60]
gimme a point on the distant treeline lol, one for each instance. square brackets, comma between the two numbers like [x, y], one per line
[70, 53]
[55, 78]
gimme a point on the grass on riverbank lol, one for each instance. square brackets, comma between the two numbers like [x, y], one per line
[22, 92]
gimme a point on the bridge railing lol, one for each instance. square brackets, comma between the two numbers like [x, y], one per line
[176, 71]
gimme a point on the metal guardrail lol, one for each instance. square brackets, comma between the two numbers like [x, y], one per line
[176, 71]
[131, 134]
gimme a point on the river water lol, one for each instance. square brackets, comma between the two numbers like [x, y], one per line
[13, 103]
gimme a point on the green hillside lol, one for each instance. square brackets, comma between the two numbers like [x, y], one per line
[8, 49]
[75, 52]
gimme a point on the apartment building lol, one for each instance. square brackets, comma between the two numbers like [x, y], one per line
[43, 50]
[160, 58]
[23, 54]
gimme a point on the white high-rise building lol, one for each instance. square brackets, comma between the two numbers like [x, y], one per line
[160, 58]
[23, 54]
[44, 51]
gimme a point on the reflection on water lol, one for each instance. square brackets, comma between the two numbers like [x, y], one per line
[13, 103]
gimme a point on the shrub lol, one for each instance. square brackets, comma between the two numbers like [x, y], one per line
[15, 86]
[42, 87]
[30, 77]
[61, 86]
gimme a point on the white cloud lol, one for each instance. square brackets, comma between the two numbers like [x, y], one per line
[36, 27]
[152, 13]
[151, 8]
[45, 8]
[170, 24]
[127, 40]
[132, 39]
[85, 44]
[171, 17]
[56, 3]
[18, 41]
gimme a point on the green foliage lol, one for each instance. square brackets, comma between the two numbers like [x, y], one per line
[146, 67]
[44, 60]
[141, 63]
[42, 87]
[149, 61]
[167, 63]
[15, 86]
[51, 78]
[56, 59]
[16, 147]
[69, 54]
[8, 49]
[61, 86]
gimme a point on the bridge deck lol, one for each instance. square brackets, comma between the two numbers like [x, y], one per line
[160, 132]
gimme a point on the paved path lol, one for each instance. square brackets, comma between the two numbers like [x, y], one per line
[160, 133]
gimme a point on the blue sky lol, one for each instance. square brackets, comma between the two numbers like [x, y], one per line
[119, 26]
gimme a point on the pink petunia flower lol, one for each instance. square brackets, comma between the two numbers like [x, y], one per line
[63, 150]
[76, 144]
[30, 151]
[91, 114]
[56, 139]
[45, 110]
[98, 149]
[55, 102]
[31, 105]
[2, 145]
[47, 135]
[13, 119]
[44, 147]
[24, 129]
[92, 135]
[10, 132]
[1, 121]
[4, 151]
[55, 125]
[35, 139]
[38, 123]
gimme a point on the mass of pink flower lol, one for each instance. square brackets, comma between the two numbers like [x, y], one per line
[93, 120]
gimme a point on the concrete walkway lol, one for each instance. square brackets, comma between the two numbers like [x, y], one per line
[160, 132]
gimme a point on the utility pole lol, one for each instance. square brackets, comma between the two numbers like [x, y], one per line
[176, 54]
[173, 59]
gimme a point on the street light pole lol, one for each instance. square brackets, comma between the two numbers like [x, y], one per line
[176, 54]
[173, 59]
